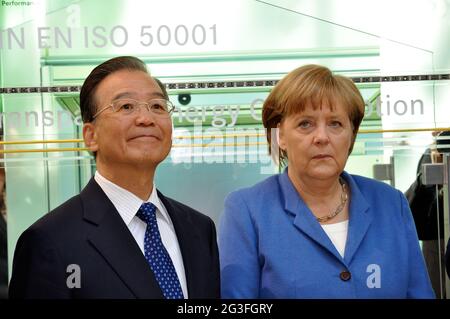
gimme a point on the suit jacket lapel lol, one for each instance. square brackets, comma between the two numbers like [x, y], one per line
[112, 239]
[187, 236]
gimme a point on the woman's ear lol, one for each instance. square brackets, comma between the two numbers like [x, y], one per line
[90, 137]
[280, 137]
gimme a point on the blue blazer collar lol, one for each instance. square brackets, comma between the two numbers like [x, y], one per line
[360, 217]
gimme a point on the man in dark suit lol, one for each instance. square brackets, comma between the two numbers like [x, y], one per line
[427, 206]
[3, 232]
[120, 237]
[447, 258]
[3, 259]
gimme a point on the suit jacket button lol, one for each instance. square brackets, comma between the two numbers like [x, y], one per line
[345, 275]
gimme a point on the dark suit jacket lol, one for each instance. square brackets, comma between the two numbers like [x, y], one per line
[88, 231]
[3, 259]
[424, 202]
[447, 258]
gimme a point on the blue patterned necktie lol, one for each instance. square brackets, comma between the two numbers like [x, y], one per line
[157, 255]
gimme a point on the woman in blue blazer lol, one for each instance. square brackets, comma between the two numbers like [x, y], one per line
[316, 231]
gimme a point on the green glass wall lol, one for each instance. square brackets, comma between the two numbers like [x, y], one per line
[226, 56]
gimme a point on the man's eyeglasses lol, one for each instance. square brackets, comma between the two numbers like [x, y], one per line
[159, 107]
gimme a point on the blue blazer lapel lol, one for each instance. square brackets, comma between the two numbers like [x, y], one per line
[360, 219]
[112, 239]
[304, 219]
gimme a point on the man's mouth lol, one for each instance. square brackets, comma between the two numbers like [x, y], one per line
[145, 137]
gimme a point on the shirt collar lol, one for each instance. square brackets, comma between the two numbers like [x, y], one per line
[126, 203]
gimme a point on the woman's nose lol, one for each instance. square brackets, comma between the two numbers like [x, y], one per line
[321, 135]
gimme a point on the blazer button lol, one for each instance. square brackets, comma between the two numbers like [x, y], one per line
[345, 275]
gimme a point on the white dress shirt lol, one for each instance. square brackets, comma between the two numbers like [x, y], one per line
[338, 234]
[127, 204]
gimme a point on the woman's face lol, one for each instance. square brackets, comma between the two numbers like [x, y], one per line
[317, 141]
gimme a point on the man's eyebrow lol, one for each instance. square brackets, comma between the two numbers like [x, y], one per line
[122, 95]
[158, 94]
[130, 95]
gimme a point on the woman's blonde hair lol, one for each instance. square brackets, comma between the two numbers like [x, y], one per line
[311, 85]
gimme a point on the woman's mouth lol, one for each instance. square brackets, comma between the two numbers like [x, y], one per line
[321, 156]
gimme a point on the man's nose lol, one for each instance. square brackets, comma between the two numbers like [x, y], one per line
[145, 115]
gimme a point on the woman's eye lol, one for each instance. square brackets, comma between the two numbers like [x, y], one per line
[336, 124]
[304, 124]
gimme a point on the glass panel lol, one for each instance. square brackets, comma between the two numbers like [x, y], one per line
[411, 123]
[219, 60]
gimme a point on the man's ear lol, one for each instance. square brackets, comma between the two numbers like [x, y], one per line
[90, 137]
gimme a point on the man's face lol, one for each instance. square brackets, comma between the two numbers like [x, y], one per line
[140, 138]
